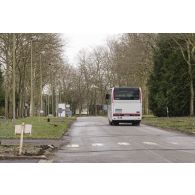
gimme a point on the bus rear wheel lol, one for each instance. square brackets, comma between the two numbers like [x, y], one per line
[110, 123]
[115, 123]
[137, 123]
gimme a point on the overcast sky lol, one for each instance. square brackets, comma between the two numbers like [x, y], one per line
[76, 42]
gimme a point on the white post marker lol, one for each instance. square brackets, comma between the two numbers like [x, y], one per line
[21, 138]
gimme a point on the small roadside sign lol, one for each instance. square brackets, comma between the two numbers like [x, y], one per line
[27, 129]
[22, 129]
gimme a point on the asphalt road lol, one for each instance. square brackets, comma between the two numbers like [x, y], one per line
[92, 140]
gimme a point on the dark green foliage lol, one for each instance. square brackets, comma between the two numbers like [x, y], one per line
[169, 82]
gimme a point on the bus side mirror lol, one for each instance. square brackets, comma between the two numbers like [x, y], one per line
[107, 96]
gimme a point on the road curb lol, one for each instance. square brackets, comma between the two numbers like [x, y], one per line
[46, 161]
[10, 157]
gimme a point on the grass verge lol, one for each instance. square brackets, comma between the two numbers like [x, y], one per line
[41, 129]
[183, 124]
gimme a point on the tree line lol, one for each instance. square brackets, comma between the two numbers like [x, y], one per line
[29, 64]
[123, 61]
[43, 78]
[161, 64]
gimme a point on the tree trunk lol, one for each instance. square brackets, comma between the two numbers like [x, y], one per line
[24, 93]
[31, 84]
[6, 102]
[48, 105]
[191, 92]
[14, 81]
[191, 81]
[145, 99]
[20, 104]
[6, 87]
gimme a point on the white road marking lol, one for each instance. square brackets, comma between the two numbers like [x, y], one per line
[97, 144]
[175, 143]
[124, 143]
[150, 143]
[72, 146]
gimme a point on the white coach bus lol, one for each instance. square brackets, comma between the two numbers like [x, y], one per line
[124, 105]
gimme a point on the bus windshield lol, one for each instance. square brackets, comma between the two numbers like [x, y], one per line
[126, 94]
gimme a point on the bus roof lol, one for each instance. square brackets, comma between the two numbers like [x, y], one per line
[125, 88]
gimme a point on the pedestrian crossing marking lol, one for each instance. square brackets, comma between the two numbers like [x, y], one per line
[175, 143]
[150, 143]
[97, 144]
[72, 146]
[124, 143]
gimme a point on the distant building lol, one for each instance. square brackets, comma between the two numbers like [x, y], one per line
[64, 110]
[61, 112]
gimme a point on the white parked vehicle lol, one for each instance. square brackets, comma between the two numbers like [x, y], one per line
[61, 110]
[124, 105]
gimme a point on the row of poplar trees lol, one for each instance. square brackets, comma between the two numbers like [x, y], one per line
[30, 68]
